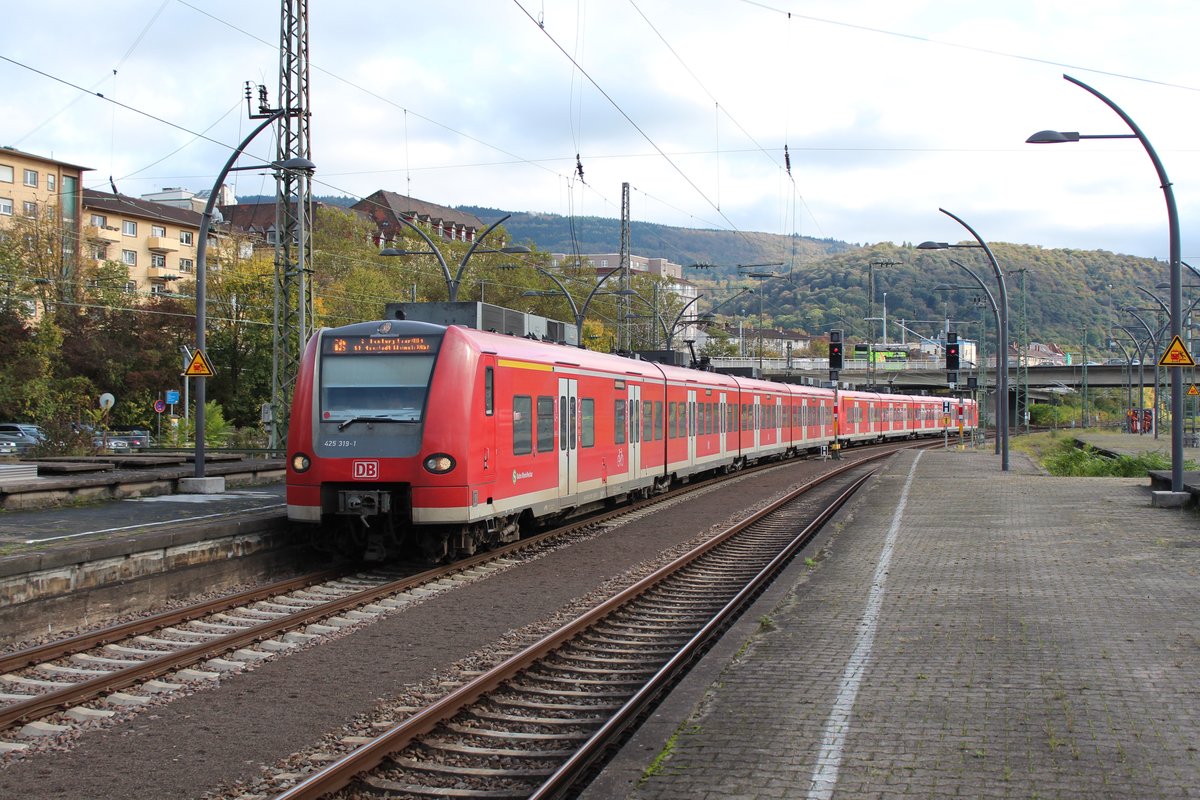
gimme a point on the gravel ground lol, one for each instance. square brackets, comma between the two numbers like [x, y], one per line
[203, 744]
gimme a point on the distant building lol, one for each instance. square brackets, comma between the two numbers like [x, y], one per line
[385, 209]
[156, 242]
[45, 191]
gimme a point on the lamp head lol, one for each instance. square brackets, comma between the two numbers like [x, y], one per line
[933, 246]
[296, 164]
[1053, 137]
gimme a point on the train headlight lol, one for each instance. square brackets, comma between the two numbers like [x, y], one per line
[301, 462]
[439, 463]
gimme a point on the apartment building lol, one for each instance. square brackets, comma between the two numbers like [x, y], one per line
[34, 187]
[156, 242]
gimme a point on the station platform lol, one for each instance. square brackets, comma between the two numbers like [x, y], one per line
[960, 632]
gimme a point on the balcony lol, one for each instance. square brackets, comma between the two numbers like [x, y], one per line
[162, 244]
[106, 234]
[162, 274]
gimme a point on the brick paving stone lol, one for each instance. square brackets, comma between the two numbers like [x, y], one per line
[1037, 637]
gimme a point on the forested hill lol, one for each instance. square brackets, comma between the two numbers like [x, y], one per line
[1055, 295]
[559, 234]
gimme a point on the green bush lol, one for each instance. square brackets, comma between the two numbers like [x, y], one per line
[1067, 460]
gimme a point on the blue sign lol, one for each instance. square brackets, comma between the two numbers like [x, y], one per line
[172, 396]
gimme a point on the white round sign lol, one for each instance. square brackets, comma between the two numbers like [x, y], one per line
[107, 401]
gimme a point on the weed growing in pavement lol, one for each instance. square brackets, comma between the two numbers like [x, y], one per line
[765, 623]
[656, 766]
[810, 562]
[1064, 459]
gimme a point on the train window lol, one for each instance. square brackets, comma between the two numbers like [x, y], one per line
[730, 421]
[489, 390]
[672, 431]
[633, 421]
[562, 422]
[522, 425]
[647, 422]
[587, 414]
[387, 387]
[658, 419]
[709, 417]
[571, 432]
[619, 421]
[545, 424]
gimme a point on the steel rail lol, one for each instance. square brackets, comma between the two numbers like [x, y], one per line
[340, 773]
[93, 688]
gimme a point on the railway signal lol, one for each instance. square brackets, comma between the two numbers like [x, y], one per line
[835, 353]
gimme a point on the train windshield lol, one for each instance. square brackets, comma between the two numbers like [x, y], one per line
[374, 385]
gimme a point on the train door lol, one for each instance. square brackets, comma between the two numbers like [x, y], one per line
[486, 438]
[721, 414]
[756, 422]
[692, 424]
[635, 431]
[568, 442]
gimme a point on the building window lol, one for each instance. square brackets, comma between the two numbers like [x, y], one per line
[129, 228]
[158, 230]
[31, 178]
[185, 237]
[129, 257]
[185, 265]
[100, 252]
[130, 287]
[6, 206]
[6, 173]
[158, 260]
[50, 182]
[99, 220]
[29, 208]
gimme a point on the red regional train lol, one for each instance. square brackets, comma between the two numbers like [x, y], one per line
[448, 439]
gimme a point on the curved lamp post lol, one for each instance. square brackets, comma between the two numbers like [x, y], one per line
[452, 281]
[1001, 398]
[1056, 137]
[1154, 337]
[577, 311]
[1141, 372]
[300, 165]
[1002, 332]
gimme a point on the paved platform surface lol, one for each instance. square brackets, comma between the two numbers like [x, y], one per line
[1035, 638]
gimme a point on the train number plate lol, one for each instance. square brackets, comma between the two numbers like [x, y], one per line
[366, 470]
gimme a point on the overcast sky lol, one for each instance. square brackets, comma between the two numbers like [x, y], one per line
[889, 110]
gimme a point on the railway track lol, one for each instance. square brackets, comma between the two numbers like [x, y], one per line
[532, 726]
[95, 676]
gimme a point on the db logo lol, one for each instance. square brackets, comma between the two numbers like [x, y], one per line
[366, 470]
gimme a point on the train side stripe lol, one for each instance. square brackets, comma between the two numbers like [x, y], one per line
[507, 362]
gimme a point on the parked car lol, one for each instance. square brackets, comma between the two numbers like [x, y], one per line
[138, 438]
[8, 445]
[110, 442]
[26, 437]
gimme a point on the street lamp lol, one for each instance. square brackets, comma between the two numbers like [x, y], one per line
[1141, 373]
[1002, 332]
[453, 281]
[200, 483]
[1056, 137]
[577, 312]
[1154, 339]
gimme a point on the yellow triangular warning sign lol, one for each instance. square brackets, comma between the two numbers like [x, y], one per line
[199, 367]
[1193, 391]
[1177, 355]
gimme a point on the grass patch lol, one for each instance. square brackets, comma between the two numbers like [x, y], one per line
[1062, 458]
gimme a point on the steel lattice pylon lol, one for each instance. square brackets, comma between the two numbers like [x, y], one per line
[293, 218]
